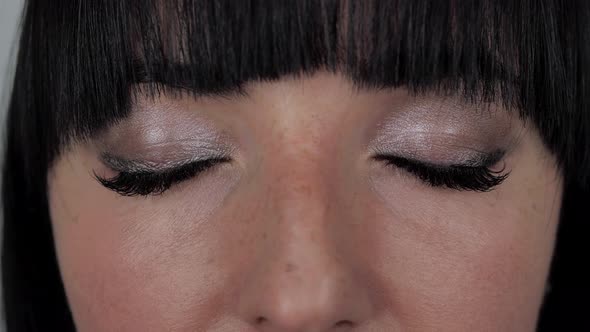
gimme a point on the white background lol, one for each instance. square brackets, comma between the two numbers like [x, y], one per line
[10, 13]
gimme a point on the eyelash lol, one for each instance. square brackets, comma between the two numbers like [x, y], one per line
[456, 177]
[144, 183]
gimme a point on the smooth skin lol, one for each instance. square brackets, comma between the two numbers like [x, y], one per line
[303, 230]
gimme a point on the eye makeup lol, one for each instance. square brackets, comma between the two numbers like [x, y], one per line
[476, 175]
[161, 144]
[447, 144]
[138, 178]
[442, 143]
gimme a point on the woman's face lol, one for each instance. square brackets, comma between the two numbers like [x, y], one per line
[307, 205]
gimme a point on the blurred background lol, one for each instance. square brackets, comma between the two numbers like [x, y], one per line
[10, 13]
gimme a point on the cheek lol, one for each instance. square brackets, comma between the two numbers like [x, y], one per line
[456, 257]
[138, 264]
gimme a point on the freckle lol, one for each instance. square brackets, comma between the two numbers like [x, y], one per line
[264, 235]
[210, 260]
[290, 267]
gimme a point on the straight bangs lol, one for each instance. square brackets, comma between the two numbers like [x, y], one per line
[526, 55]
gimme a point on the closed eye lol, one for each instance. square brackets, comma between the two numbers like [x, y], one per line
[140, 181]
[468, 177]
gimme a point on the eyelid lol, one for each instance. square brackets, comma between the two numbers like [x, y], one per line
[120, 164]
[475, 175]
[469, 159]
[135, 182]
[482, 159]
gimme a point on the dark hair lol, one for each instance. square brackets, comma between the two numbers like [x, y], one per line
[78, 59]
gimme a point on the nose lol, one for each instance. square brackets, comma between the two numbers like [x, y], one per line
[303, 279]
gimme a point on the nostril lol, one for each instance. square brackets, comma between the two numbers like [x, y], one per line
[344, 323]
[260, 320]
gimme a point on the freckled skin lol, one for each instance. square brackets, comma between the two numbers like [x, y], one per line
[302, 231]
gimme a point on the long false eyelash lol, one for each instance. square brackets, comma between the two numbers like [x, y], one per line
[478, 178]
[144, 182]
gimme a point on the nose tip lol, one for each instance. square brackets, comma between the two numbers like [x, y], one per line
[295, 320]
[310, 304]
[294, 298]
[265, 324]
[304, 312]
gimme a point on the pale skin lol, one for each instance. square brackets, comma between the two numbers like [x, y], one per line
[303, 230]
